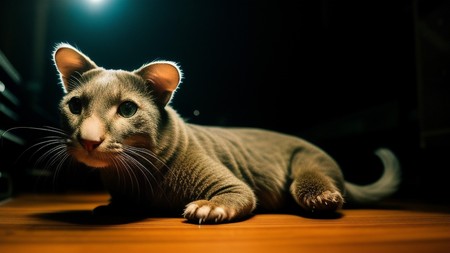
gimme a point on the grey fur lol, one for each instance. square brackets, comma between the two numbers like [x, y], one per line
[154, 160]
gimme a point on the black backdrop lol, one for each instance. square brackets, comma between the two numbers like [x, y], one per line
[340, 73]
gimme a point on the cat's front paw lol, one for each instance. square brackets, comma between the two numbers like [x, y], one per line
[326, 201]
[206, 211]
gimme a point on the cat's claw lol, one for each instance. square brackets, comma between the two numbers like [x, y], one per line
[326, 201]
[204, 211]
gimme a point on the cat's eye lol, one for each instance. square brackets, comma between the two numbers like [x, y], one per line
[75, 106]
[127, 109]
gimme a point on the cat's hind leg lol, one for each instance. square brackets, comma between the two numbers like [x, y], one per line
[314, 191]
[318, 183]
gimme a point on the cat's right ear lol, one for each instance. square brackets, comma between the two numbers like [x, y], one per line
[164, 77]
[71, 64]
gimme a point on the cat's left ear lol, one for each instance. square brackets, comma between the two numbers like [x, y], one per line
[164, 77]
[71, 63]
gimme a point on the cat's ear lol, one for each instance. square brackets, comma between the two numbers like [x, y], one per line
[163, 76]
[71, 64]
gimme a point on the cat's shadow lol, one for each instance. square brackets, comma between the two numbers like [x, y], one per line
[105, 215]
[316, 215]
[87, 217]
[294, 209]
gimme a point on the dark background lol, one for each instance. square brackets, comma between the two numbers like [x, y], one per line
[350, 76]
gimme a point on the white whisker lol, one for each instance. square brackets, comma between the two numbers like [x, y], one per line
[118, 171]
[140, 167]
[48, 152]
[62, 157]
[144, 159]
[56, 146]
[145, 155]
[149, 153]
[130, 173]
[43, 129]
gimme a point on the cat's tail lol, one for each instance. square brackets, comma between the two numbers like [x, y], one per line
[385, 186]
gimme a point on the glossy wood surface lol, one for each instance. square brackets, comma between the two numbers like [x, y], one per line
[64, 223]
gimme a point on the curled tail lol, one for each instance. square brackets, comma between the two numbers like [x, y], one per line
[385, 186]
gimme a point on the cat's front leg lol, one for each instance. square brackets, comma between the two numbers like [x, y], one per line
[221, 198]
[206, 211]
[225, 207]
[202, 209]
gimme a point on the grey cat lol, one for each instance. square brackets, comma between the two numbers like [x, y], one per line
[151, 159]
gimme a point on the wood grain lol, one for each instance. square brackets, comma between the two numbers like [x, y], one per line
[64, 223]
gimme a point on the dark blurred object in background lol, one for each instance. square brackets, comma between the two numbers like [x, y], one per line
[350, 75]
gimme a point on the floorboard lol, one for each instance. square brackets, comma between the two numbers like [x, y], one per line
[64, 223]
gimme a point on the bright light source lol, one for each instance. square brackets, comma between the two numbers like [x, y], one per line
[96, 2]
[96, 5]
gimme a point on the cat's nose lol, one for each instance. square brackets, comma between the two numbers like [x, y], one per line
[90, 145]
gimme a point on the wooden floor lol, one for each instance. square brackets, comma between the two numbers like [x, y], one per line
[63, 223]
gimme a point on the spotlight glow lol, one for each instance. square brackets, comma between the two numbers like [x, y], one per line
[96, 2]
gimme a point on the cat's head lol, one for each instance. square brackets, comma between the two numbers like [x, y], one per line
[107, 111]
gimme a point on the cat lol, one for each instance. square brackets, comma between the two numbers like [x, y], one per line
[121, 123]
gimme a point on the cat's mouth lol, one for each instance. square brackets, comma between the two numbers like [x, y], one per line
[107, 154]
[95, 154]
[94, 159]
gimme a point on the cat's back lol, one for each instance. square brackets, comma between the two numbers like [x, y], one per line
[245, 139]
